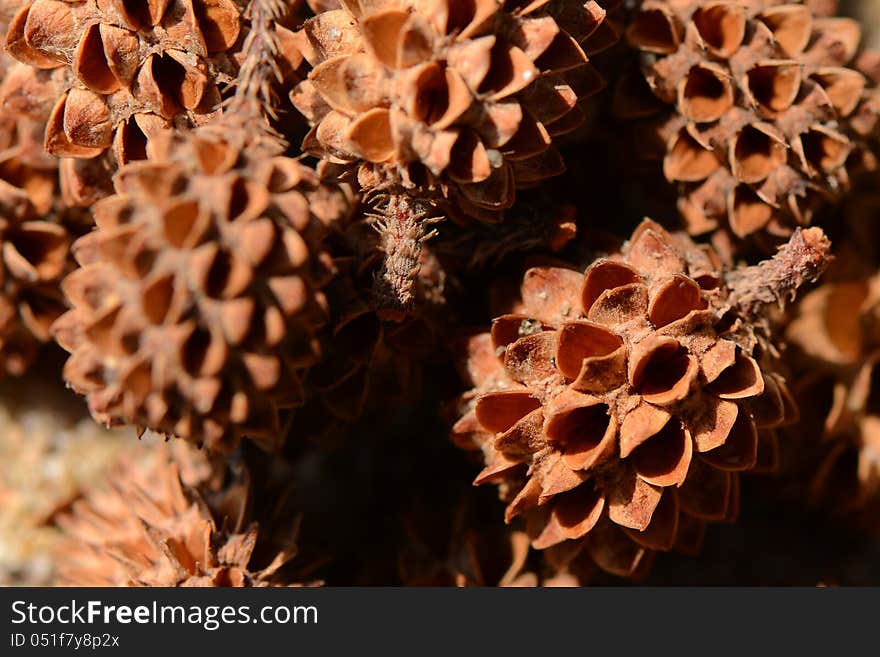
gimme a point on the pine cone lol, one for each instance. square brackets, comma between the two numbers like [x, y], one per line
[29, 93]
[837, 335]
[126, 70]
[461, 100]
[766, 108]
[149, 527]
[36, 228]
[864, 124]
[616, 408]
[196, 306]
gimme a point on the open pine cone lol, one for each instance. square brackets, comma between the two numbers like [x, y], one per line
[837, 335]
[126, 70]
[149, 526]
[616, 407]
[453, 99]
[766, 108]
[36, 229]
[29, 93]
[196, 306]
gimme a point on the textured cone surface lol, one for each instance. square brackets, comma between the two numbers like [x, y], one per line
[617, 407]
[36, 229]
[460, 99]
[148, 526]
[198, 297]
[767, 108]
[126, 70]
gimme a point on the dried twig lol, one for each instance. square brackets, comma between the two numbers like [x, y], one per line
[255, 96]
[802, 260]
[402, 224]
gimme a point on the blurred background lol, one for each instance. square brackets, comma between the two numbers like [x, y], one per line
[868, 12]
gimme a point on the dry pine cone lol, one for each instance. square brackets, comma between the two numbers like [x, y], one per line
[149, 526]
[615, 408]
[463, 98]
[36, 229]
[837, 332]
[198, 300]
[126, 70]
[766, 108]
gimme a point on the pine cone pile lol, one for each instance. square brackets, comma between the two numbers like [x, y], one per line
[765, 108]
[343, 263]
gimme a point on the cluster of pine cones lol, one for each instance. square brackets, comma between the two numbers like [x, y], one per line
[338, 260]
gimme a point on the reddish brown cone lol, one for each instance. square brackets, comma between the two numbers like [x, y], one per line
[617, 407]
[126, 70]
[764, 107]
[460, 100]
[837, 334]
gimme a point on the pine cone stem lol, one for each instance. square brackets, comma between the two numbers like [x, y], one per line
[254, 95]
[802, 260]
[402, 225]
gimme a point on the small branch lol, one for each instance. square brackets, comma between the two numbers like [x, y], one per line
[254, 96]
[802, 260]
[402, 225]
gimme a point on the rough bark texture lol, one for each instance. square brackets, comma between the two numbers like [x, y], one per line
[802, 260]
[403, 228]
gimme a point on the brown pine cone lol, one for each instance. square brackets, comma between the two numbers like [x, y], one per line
[864, 124]
[766, 108]
[463, 99]
[837, 335]
[36, 228]
[125, 70]
[149, 526]
[444, 108]
[615, 408]
[196, 306]
[35, 245]
[29, 93]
